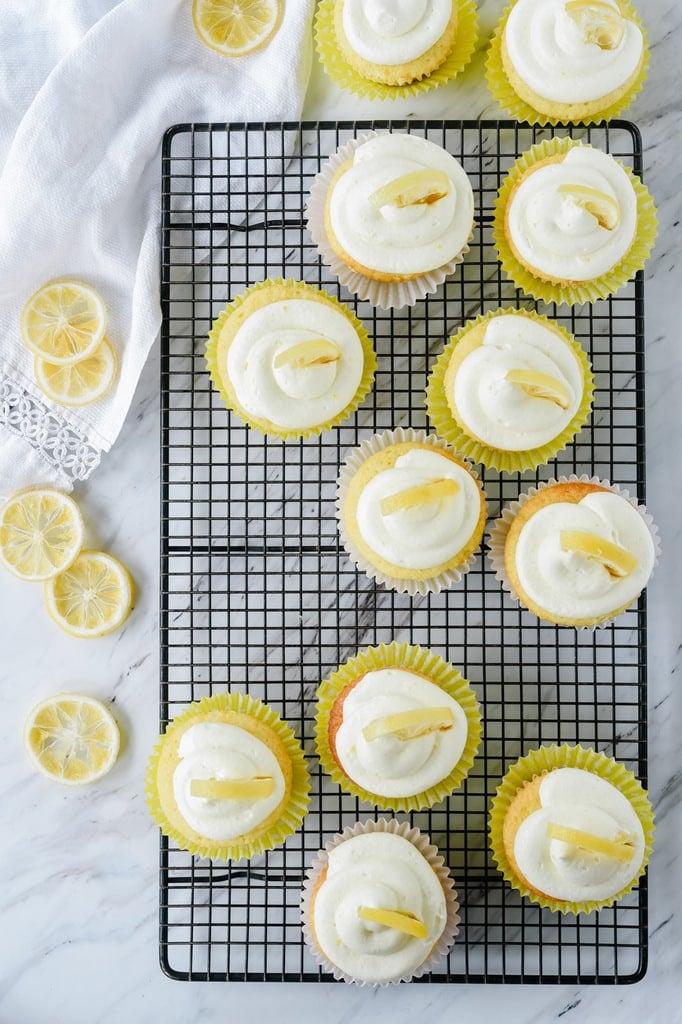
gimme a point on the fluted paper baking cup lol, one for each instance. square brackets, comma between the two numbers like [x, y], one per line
[385, 294]
[443, 580]
[414, 659]
[292, 815]
[587, 291]
[446, 426]
[504, 93]
[497, 536]
[429, 852]
[545, 759]
[341, 72]
[285, 289]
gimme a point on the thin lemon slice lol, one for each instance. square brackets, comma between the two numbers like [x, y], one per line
[93, 597]
[417, 188]
[616, 849]
[257, 788]
[236, 27]
[603, 207]
[315, 352]
[616, 560]
[422, 494]
[398, 919]
[598, 22]
[80, 383]
[541, 385]
[71, 738]
[41, 533]
[407, 725]
[63, 321]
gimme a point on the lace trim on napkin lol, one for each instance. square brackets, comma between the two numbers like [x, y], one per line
[60, 444]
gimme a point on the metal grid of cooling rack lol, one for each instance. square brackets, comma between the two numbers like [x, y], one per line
[256, 594]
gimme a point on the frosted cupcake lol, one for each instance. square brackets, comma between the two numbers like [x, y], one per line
[378, 906]
[290, 360]
[510, 390]
[228, 779]
[571, 223]
[397, 726]
[567, 60]
[411, 513]
[571, 829]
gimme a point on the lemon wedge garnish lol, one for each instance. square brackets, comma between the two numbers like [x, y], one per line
[314, 352]
[93, 597]
[422, 494]
[417, 188]
[41, 533]
[63, 321]
[599, 23]
[603, 207]
[71, 738]
[398, 919]
[236, 27]
[76, 384]
[618, 850]
[616, 560]
[407, 725]
[541, 385]
[257, 788]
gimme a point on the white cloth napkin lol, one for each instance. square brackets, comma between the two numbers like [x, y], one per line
[87, 89]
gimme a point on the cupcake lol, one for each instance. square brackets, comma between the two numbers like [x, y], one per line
[571, 223]
[576, 552]
[289, 359]
[228, 779]
[392, 215]
[397, 726]
[378, 906]
[411, 513]
[567, 60]
[510, 390]
[571, 829]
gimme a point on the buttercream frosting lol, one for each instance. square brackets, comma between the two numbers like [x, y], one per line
[384, 871]
[393, 32]
[219, 750]
[577, 799]
[549, 53]
[500, 413]
[553, 234]
[402, 241]
[287, 396]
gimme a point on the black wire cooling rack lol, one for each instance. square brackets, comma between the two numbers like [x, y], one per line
[256, 594]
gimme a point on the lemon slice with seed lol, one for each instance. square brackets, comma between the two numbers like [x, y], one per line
[63, 321]
[41, 533]
[93, 597]
[76, 384]
[236, 27]
[71, 738]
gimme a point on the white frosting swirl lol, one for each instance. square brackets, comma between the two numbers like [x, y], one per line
[546, 47]
[288, 397]
[428, 534]
[394, 32]
[570, 584]
[218, 750]
[384, 871]
[577, 799]
[501, 414]
[408, 240]
[554, 234]
[387, 765]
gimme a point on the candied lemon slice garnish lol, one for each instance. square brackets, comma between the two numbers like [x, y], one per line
[599, 23]
[93, 597]
[398, 919]
[41, 533]
[80, 383]
[603, 207]
[407, 725]
[617, 849]
[541, 385]
[314, 352]
[417, 188]
[258, 788]
[615, 560]
[236, 27]
[63, 321]
[71, 738]
[420, 495]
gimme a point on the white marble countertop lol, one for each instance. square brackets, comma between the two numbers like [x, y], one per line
[79, 869]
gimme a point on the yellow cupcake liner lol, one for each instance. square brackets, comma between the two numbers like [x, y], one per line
[436, 862]
[588, 291]
[364, 387]
[299, 798]
[544, 759]
[347, 77]
[503, 92]
[446, 426]
[411, 658]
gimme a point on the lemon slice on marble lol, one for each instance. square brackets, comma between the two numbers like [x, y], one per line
[93, 597]
[236, 27]
[71, 738]
[41, 533]
[63, 321]
[76, 384]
